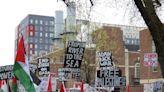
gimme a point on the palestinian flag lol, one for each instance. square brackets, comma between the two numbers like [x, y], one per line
[62, 88]
[49, 88]
[14, 85]
[82, 87]
[21, 68]
[3, 86]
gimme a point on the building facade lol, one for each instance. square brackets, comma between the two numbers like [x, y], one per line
[38, 32]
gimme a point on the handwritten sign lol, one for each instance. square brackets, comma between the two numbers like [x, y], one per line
[43, 66]
[74, 54]
[105, 59]
[110, 78]
[150, 59]
[6, 72]
[69, 73]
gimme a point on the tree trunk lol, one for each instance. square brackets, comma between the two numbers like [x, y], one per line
[155, 26]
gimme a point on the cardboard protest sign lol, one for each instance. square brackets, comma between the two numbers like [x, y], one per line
[33, 68]
[74, 54]
[110, 78]
[105, 59]
[148, 87]
[6, 72]
[43, 66]
[108, 75]
[157, 86]
[68, 73]
[150, 59]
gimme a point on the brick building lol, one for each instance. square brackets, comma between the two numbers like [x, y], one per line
[130, 61]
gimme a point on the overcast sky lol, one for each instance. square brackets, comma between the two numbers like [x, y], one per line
[13, 11]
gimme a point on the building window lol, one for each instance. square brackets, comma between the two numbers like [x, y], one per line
[36, 46]
[31, 21]
[30, 40]
[31, 52]
[50, 40]
[41, 40]
[137, 70]
[31, 33]
[31, 45]
[51, 29]
[132, 41]
[36, 28]
[46, 34]
[36, 21]
[31, 27]
[41, 22]
[46, 40]
[46, 22]
[36, 33]
[51, 22]
[127, 41]
[36, 53]
[36, 40]
[41, 34]
[41, 28]
[154, 68]
[46, 28]
[51, 35]
[46, 47]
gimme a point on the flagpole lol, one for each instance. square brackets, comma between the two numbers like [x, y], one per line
[7, 81]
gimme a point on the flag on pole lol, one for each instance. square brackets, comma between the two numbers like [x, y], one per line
[128, 88]
[21, 68]
[62, 89]
[4, 86]
[82, 87]
[14, 85]
[49, 88]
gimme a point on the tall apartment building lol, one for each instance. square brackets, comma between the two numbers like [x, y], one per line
[38, 32]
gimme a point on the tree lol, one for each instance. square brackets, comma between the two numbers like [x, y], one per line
[147, 9]
[88, 67]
